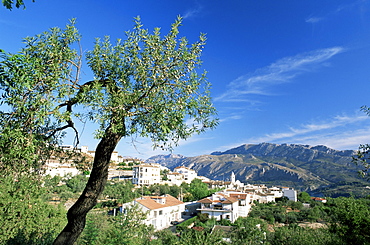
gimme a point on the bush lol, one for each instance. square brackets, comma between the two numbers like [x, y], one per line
[184, 225]
[293, 235]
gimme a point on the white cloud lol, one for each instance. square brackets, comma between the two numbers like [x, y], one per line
[339, 140]
[281, 71]
[192, 12]
[232, 117]
[314, 19]
[354, 6]
[337, 133]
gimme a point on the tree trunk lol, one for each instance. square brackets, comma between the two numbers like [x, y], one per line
[77, 213]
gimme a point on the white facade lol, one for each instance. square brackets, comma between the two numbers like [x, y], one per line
[54, 167]
[264, 197]
[161, 210]
[203, 179]
[189, 174]
[276, 191]
[84, 149]
[290, 194]
[61, 171]
[226, 205]
[146, 174]
[175, 178]
[114, 156]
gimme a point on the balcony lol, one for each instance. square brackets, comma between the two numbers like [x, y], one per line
[215, 208]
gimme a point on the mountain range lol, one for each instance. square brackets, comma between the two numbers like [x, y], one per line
[318, 170]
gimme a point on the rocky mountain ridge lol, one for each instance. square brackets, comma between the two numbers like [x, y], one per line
[300, 166]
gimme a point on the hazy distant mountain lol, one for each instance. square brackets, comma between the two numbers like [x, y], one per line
[300, 166]
[170, 161]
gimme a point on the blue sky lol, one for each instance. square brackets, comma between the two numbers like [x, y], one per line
[289, 71]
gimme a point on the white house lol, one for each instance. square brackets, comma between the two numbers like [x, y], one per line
[276, 191]
[225, 205]
[61, 171]
[232, 184]
[146, 174]
[189, 174]
[161, 210]
[290, 193]
[114, 158]
[175, 178]
[319, 199]
[264, 197]
[55, 167]
[244, 202]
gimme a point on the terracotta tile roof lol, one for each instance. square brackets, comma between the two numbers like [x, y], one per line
[184, 168]
[230, 199]
[318, 199]
[227, 202]
[205, 200]
[219, 182]
[239, 196]
[150, 203]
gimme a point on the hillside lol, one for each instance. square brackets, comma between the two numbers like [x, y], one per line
[304, 167]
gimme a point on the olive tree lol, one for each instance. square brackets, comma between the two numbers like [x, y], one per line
[362, 157]
[350, 219]
[9, 4]
[147, 85]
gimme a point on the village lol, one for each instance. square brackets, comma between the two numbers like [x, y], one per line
[190, 122]
[234, 199]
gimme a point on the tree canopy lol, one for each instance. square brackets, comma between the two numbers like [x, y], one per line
[10, 4]
[147, 85]
[362, 158]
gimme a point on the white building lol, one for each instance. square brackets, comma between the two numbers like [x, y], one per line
[161, 210]
[114, 158]
[61, 171]
[276, 191]
[290, 193]
[264, 197]
[54, 166]
[189, 174]
[146, 174]
[175, 178]
[226, 205]
[232, 184]
[82, 149]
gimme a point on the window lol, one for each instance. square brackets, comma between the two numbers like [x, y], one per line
[160, 212]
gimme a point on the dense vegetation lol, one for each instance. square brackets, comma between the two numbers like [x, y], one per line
[28, 217]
